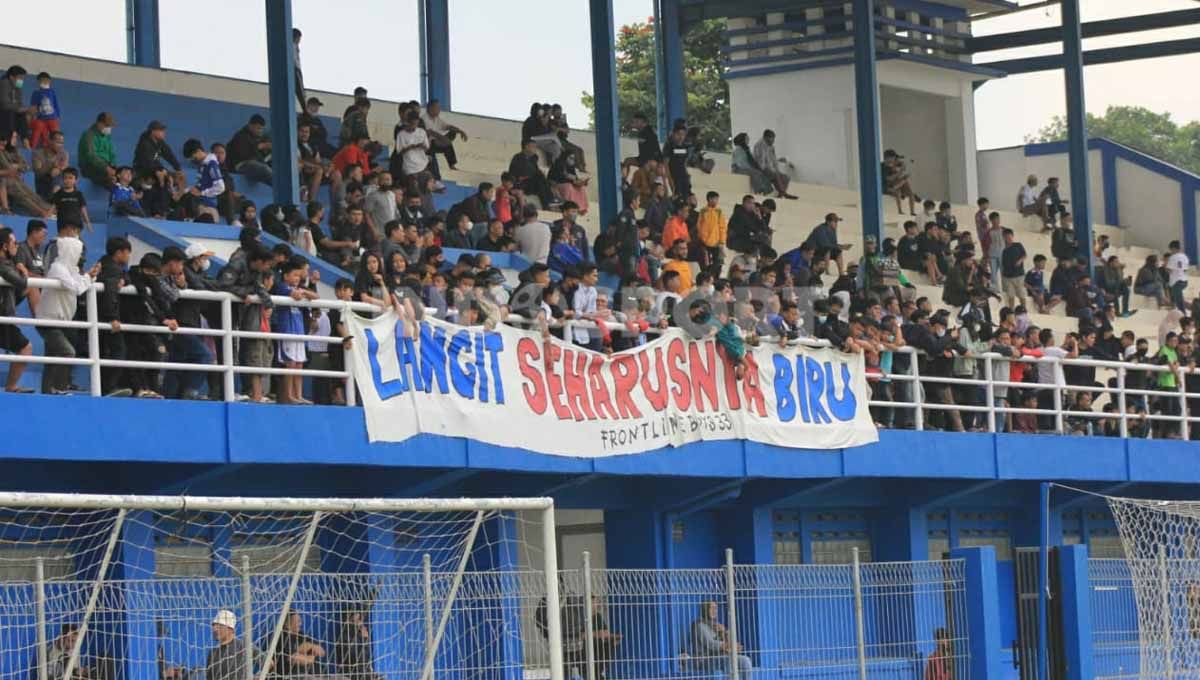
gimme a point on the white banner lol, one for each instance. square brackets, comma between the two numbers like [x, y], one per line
[511, 387]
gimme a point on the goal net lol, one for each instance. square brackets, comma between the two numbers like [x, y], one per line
[191, 588]
[1161, 540]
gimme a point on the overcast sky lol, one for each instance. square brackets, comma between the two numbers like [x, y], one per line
[501, 59]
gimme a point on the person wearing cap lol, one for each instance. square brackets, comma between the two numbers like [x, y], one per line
[152, 148]
[13, 116]
[897, 183]
[97, 158]
[184, 349]
[210, 183]
[226, 661]
[46, 112]
[676, 151]
[247, 150]
[823, 239]
[318, 134]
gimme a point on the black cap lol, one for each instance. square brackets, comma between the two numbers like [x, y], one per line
[173, 253]
[314, 100]
[156, 125]
[257, 119]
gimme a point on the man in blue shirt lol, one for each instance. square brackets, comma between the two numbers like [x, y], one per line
[824, 241]
[211, 183]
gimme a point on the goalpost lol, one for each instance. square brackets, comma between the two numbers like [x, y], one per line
[1161, 540]
[155, 584]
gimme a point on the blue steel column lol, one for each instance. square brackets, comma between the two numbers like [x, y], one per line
[604, 84]
[141, 32]
[983, 610]
[866, 105]
[668, 72]
[1076, 603]
[437, 51]
[1077, 138]
[281, 66]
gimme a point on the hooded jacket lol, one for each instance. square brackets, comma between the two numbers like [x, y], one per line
[60, 304]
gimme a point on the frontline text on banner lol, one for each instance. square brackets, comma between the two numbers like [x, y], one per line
[512, 387]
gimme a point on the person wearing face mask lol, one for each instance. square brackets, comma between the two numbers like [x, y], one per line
[97, 157]
[12, 113]
[211, 183]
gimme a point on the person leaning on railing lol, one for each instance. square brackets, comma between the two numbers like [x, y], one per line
[247, 283]
[59, 304]
[12, 340]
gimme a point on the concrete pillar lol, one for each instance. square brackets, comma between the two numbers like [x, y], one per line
[1075, 600]
[604, 88]
[281, 85]
[141, 33]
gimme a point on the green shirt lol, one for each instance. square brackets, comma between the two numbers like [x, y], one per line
[1166, 355]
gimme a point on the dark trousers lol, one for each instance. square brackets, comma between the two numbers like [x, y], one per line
[188, 349]
[444, 146]
[56, 378]
[538, 186]
[145, 347]
[112, 346]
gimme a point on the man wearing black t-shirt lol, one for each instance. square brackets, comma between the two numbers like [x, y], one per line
[1012, 269]
[908, 249]
[675, 152]
[934, 253]
[69, 202]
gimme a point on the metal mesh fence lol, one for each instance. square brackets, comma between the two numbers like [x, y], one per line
[1114, 619]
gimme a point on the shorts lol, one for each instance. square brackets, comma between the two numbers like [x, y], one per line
[256, 353]
[12, 339]
[1015, 286]
[292, 351]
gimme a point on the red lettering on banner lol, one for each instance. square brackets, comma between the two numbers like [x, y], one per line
[731, 382]
[575, 383]
[676, 365]
[752, 389]
[553, 382]
[625, 375]
[704, 378]
[657, 396]
[534, 390]
[600, 399]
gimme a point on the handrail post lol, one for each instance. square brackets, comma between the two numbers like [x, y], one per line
[990, 392]
[1121, 403]
[1058, 397]
[348, 362]
[93, 335]
[918, 397]
[227, 376]
[731, 638]
[1181, 381]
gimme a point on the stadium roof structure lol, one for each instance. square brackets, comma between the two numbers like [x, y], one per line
[695, 10]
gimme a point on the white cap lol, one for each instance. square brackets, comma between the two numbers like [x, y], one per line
[196, 250]
[225, 618]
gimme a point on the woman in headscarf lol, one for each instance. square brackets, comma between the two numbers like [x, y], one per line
[21, 197]
[59, 304]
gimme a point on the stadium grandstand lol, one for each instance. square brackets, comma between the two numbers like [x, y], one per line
[312, 384]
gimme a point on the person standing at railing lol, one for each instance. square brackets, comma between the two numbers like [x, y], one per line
[246, 283]
[108, 311]
[291, 320]
[178, 276]
[60, 304]
[12, 340]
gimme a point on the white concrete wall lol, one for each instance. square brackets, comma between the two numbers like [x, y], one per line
[925, 112]
[812, 114]
[1151, 206]
[914, 123]
[1003, 171]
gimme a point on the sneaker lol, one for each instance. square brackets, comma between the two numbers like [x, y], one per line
[148, 394]
[60, 393]
[120, 392]
[439, 187]
[242, 397]
[75, 388]
[20, 390]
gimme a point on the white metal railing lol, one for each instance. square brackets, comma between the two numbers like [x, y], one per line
[904, 395]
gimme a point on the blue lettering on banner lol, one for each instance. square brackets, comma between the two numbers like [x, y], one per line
[785, 403]
[811, 386]
[464, 361]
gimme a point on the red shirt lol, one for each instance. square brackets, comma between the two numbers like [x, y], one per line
[349, 155]
[674, 230]
[503, 205]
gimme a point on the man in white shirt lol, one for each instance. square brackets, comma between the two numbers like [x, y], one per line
[533, 236]
[584, 304]
[1177, 268]
[1051, 373]
[1028, 202]
[441, 134]
[413, 146]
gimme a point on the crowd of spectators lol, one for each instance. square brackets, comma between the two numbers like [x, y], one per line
[379, 224]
